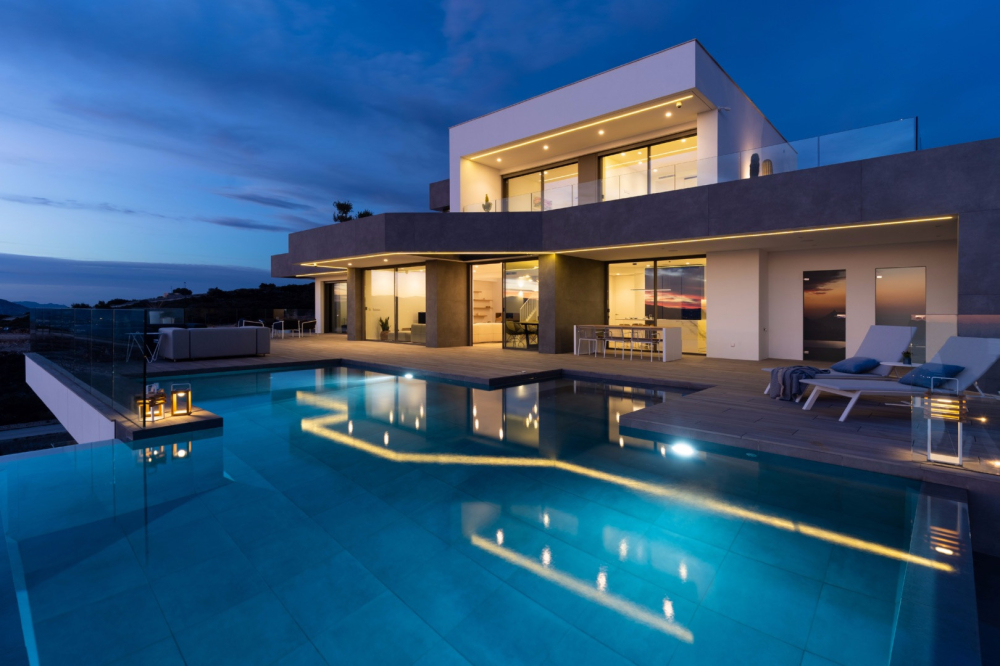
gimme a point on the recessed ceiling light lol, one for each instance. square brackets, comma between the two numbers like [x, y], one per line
[544, 173]
[655, 170]
[682, 141]
[386, 260]
[678, 105]
[601, 132]
[669, 113]
[349, 263]
[623, 154]
[499, 160]
[545, 147]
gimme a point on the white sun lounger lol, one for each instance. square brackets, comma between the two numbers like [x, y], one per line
[882, 343]
[975, 355]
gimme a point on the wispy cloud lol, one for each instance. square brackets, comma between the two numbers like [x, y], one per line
[243, 223]
[72, 204]
[267, 200]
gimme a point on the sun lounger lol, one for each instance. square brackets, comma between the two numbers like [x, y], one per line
[882, 343]
[975, 355]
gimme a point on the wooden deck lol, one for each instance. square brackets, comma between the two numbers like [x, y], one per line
[727, 405]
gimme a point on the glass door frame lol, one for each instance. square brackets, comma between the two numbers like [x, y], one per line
[329, 306]
[540, 171]
[655, 261]
[395, 300]
[641, 145]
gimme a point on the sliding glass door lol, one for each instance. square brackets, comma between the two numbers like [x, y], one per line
[395, 304]
[520, 305]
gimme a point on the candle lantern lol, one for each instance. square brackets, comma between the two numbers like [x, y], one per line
[180, 399]
[152, 404]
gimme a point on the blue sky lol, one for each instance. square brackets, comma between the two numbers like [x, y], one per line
[200, 133]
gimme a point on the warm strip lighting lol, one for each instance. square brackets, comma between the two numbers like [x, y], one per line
[589, 592]
[789, 232]
[319, 426]
[685, 241]
[582, 127]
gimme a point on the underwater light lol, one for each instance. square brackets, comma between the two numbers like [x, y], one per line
[682, 449]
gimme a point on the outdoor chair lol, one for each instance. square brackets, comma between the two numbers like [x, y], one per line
[644, 338]
[885, 344]
[514, 332]
[974, 355]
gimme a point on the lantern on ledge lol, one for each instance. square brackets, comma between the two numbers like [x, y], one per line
[180, 399]
[939, 411]
[151, 405]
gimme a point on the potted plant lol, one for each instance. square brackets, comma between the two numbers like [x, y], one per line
[383, 325]
[488, 205]
[908, 357]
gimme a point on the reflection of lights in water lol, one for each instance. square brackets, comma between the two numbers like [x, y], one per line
[391, 417]
[421, 411]
[350, 427]
[501, 433]
[181, 453]
[499, 537]
[385, 438]
[536, 424]
[545, 519]
[417, 425]
[622, 549]
[474, 411]
[602, 579]
[476, 424]
[621, 442]
[536, 408]
[944, 551]
[682, 571]
[618, 417]
[586, 590]
[527, 422]
[402, 418]
[546, 556]
[668, 609]
[321, 427]
[663, 451]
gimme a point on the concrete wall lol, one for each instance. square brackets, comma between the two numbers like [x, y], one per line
[736, 301]
[784, 317]
[355, 304]
[83, 421]
[570, 291]
[447, 304]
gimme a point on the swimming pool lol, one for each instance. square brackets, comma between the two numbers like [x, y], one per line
[358, 517]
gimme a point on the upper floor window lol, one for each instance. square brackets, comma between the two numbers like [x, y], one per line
[660, 167]
[547, 189]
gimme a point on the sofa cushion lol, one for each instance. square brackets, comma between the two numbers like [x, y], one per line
[220, 342]
[175, 344]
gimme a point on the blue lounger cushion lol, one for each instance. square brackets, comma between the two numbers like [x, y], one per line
[923, 375]
[855, 365]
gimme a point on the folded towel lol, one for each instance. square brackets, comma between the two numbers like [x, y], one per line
[786, 382]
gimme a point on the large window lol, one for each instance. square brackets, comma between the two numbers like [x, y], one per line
[661, 167]
[548, 189]
[335, 307]
[662, 292]
[395, 304]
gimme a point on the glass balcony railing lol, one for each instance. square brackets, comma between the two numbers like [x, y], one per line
[891, 138]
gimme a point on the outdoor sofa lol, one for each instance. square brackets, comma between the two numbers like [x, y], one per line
[179, 344]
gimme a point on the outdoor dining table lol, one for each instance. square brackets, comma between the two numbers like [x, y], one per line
[667, 338]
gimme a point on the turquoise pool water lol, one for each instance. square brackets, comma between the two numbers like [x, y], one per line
[353, 517]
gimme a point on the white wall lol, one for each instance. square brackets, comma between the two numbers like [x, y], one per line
[784, 320]
[82, 421]
[320, 304]
[476, 182]
[736, 296]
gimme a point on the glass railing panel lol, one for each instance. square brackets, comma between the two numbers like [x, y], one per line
[133, 341]
[560, 197]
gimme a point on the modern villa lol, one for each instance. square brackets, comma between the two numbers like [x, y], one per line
[480, 461]
[658, 193]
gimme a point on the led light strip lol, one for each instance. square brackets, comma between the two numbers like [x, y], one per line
[583, 127]
[625, 246]
[318, 426]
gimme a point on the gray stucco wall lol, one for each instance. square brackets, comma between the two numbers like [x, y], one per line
[957, 180]
[440, 195]
[571, 291]
[447, 304]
